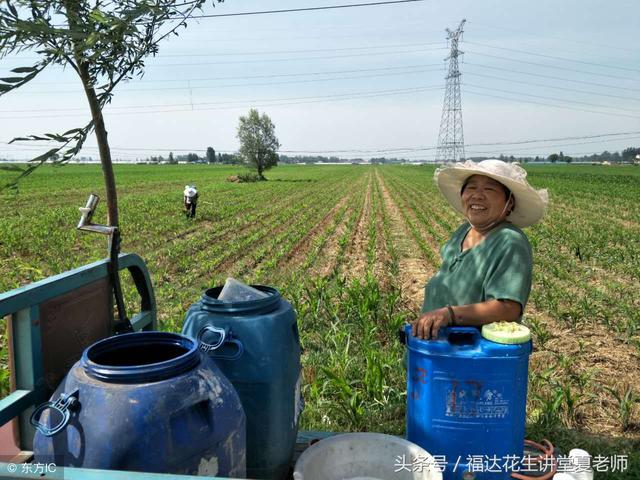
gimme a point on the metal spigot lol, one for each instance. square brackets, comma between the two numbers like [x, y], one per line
[85, 224]
[87, 214]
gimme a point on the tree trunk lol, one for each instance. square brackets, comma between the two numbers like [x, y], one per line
[259, 165]
[98, 121]
[103, 148]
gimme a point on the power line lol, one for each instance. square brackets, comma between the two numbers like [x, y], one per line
[288, 10]
[573, 90]
[213, 87]
[553, 98]
[271, 60]
[550, 104]
[556, 145]
[307, 9]
[601, 136]
[275, 75]
[262, 103]
[558, 139]
[554, 78]
[564, 39]
[551, 66]
[278, 52]
[564, 59]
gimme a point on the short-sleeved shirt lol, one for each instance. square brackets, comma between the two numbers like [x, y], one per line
[500, 267]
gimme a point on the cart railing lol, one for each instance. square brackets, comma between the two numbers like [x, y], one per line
[51, 322]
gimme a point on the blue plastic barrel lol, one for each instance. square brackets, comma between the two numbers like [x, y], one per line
[256, 344]
[148, 402]
[466, 401]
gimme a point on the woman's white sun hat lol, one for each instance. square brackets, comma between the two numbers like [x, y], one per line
[530, 204]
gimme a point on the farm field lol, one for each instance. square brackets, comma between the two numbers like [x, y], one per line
[352, 247]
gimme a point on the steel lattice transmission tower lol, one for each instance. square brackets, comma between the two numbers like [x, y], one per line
[451, 137]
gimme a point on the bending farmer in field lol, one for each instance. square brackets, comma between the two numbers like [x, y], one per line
[190, 200]
[487, 263]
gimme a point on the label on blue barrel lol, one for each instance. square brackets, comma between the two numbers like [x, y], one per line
[469, 400]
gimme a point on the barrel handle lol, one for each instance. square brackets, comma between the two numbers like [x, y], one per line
[226, 337]
[63, 405]
[208, 347]
[474, 332]
[238, 353]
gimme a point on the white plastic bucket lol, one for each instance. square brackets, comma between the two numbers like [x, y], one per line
[365, 456]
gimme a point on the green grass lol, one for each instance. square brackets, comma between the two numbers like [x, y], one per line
[586, 276]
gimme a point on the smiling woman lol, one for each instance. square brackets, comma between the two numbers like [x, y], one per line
[487, 263]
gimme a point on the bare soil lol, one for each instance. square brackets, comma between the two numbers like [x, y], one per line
[356, 252]
[414, 270]
[300, 251]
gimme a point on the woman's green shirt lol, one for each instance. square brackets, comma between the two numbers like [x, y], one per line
[500, 267]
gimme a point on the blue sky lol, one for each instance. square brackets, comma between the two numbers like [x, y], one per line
[366, 81]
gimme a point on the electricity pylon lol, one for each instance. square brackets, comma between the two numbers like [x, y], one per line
[451, 138]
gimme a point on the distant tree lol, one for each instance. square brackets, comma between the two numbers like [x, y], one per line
[553, 158]
[193, 158]
[629, 154]
[567, 159]
[258, 142]
[172, 160]
[227, 159]
[211, 155]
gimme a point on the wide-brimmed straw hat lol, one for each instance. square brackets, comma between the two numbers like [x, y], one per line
[530, 204]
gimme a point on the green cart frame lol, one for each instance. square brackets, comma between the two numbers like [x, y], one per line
[50, 323]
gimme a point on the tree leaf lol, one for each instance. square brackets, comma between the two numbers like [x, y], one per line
[56, 137]
[98, 17]
[73, 130]
[45, 156]
[12, 79]
[24, 70]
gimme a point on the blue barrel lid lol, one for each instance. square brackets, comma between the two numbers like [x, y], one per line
[463, 342]
[210, 302]
[140, 357]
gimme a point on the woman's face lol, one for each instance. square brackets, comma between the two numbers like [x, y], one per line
[483, 201]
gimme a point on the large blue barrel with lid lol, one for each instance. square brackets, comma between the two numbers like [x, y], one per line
[256, 344]
[148, 402]
[466, 401]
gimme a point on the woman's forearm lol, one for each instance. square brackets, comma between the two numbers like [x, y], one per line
[479, 314]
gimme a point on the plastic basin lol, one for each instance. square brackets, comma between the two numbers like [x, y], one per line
[365, 456]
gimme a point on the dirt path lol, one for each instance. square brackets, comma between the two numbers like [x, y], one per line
[386, 267]
[414, 269]
[356, 252]
[294, 258]
[327, 263]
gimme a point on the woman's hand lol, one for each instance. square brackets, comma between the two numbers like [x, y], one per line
[428, 325]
